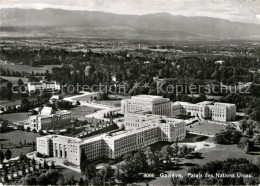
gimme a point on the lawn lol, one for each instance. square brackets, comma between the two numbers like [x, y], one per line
[115, 103]
[11, 102]
[190, 138]
[68, 173]
[80, 112]
[205, 128]
[16, 136]
[220, 152]
[14, 117]
[16, 99]
[13, 138]
[26, 68]
[14, 80]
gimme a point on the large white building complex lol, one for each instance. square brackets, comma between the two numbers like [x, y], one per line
[148, 130]
[156, 104]
[42, 85]
[48, 119]
[147, 120]
[207, 110]
[170, 128]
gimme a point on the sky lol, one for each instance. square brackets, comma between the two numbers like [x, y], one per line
[247, 11]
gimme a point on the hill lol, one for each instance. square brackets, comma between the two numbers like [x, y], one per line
[57, 22]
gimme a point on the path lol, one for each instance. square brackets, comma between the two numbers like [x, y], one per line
[201, 134]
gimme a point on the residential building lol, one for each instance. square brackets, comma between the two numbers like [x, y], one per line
[42, 85]
[156, 104]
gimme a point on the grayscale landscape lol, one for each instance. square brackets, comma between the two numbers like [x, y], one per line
[116, 92]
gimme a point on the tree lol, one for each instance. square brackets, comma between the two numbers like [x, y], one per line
[33, 161]
[86, 169]
[23, 169]
[41, 132]
[25, 104]
[40, 165]
[34, 112]
[22, 158]
[81, 182]
[19, 82]
[243, 125]
[45, 164]
[8, 154]
[6, 178]
[227, 136]
[52, 165]
[33, 146]
[235, 136]
[2, 156]
[185, 150]
[83, 159]
[176, 149]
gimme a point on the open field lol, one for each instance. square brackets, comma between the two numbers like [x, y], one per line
[15, 137]
[205, 127]
[18, 151]
[26, 68]
[68, 173]
[13, 117]
[14, 80]
[16, 99]
[10, 103]
[80, 112]
[116, 103]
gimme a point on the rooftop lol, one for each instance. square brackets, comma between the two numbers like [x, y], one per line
[66, 138]
[46, 111]
[125, 133]
[224, 104]
[205, 103]
[93, 138]
[147, 98]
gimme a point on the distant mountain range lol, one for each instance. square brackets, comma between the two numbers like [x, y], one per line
[57, 22]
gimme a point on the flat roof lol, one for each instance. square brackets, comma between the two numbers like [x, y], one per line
[205, 103]
[147, 98]
[92, 138]
[67, 138]
[182, 103]
[125, 133]
[224, 104]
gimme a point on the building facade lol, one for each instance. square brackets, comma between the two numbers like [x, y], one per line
[155, 104]
[171, 129]
[113, 145]
[207, 110]
[42, 85]
[47, 119]
[222, 111]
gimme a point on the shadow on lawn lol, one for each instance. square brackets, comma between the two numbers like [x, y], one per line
[3, 139]
[195, 155]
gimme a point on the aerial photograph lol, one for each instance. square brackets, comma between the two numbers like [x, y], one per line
[129, 92]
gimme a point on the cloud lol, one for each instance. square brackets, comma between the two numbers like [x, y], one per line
[234, 10]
